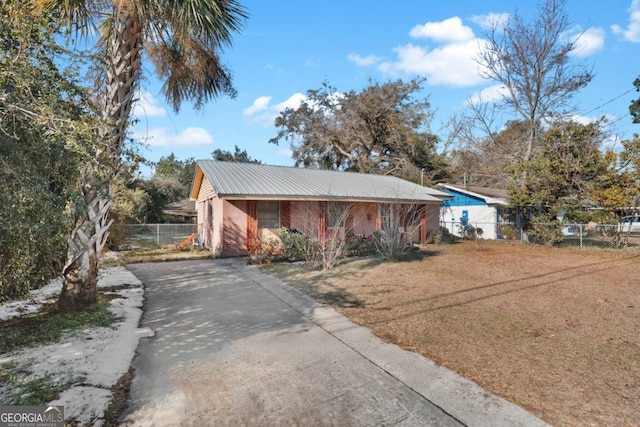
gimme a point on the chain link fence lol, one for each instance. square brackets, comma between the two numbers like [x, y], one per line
[136, 236]
[604, 236]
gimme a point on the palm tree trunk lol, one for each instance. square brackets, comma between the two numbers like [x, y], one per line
[80, 288]
[122, 70]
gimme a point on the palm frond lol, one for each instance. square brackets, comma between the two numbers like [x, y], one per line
[190, 71]
[185, 47]
[211, 21]
[77, 14]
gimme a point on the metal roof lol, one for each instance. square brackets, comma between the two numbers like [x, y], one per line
[181, 205]
[492, 196]
[251, 180]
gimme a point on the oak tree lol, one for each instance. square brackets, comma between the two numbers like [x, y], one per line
[384, 128]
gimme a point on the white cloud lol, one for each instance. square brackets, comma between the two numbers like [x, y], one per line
[260, 104]
[586, 42]
[447, 31]
[489, 94]
[632, 32]
[452, 64]
[491, 20]
[363, 61]
[583, 120]
[147, 105]
[189, 137]
[293, 101]
[284, 152]
[263, 113]
[311, 62]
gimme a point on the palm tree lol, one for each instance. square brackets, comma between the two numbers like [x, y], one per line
[182, 38]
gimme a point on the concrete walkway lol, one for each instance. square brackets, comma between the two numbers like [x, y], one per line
[234, 346]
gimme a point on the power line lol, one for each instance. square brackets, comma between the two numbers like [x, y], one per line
[609, 101]
[607, 124]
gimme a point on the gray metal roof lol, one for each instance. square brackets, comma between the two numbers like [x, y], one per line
[181, 205]
[243, 180]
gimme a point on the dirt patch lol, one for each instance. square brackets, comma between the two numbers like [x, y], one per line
[553, 330]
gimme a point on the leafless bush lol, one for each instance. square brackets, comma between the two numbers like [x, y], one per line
[320, 241]
[394, 239]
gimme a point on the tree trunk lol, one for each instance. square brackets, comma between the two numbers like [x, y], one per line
[122, 70]
[80, 288]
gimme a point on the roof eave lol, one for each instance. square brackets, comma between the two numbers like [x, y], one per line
[198, 176]
[314, 198]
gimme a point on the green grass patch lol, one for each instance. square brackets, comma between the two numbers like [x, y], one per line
[40, 391]
[48, 325]
[9, 373]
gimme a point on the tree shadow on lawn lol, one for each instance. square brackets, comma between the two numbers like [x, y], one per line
[313, 282]
[317, 283]
[477, 293]
[416, 255]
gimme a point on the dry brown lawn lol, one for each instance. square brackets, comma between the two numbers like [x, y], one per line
[556, 331]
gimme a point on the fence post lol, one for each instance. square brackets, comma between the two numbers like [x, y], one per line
[580, 225]
[158, 235]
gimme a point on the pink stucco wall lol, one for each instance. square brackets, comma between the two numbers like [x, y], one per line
[364, 219]
[200, 209]
[433, 218]
[234, 231]
[210, 220]
[217, 224]
[304, 217]
[224, 223]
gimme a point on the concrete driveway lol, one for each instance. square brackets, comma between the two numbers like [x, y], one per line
[234, 346]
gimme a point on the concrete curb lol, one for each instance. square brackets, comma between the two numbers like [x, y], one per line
[462, 399]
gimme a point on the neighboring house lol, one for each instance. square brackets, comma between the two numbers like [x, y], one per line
[238, 203]
[181, 211]
[480, 207]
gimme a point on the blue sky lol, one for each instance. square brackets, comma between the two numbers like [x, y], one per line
[288, 47]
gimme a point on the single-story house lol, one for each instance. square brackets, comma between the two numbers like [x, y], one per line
[481, 207]
[181, 211]
[239, 203]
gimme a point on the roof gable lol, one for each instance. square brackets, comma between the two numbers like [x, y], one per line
[490, 196]
[236, 180]
[460, 199]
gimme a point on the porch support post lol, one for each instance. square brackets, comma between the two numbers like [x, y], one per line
[322, 221]
[252, 224]
[423, 224]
